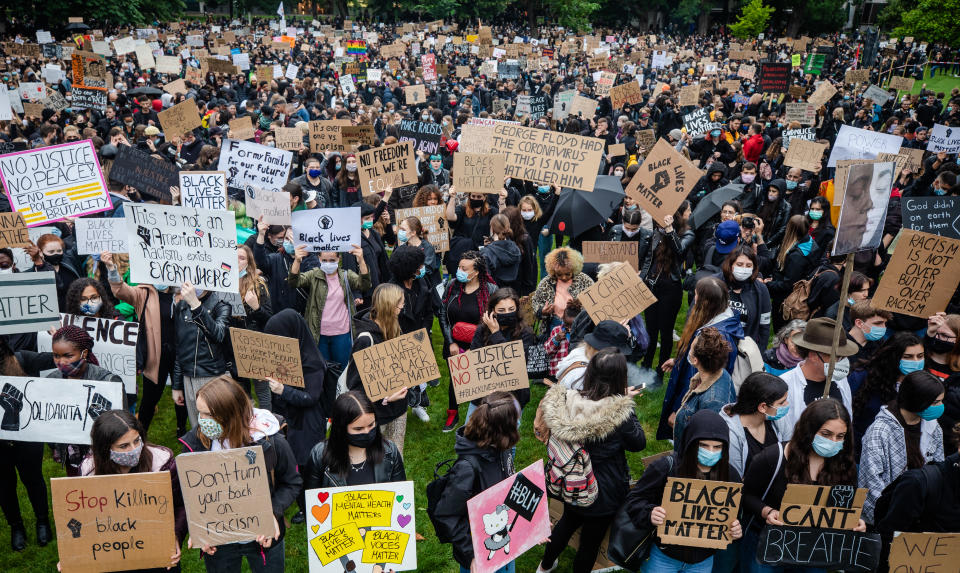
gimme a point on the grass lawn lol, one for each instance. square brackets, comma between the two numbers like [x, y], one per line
[426, 445]
[941, 83]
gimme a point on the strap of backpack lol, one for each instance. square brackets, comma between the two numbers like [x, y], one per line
[773, 478]
[577, 364]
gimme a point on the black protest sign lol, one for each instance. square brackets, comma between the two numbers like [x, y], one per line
[774, 77]
[145, 173]
[934, 215]
[697, 122]
[424, 135]
[539, 105]
[52, 51]
[524, 497]
[11, 146]
[784, 546]
[807, 133]
[83, 97]
[508, 70]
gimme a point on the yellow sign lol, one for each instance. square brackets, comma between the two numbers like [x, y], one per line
[384, 546]
[337, 542]
[363, 508]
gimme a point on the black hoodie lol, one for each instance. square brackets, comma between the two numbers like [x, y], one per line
[363, 325]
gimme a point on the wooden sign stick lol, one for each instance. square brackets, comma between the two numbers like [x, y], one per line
[838, 328]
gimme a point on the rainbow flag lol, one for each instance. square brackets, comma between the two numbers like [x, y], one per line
[357, 47]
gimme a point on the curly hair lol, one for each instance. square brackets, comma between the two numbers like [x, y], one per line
[406, 261]
[711, 350]
[79, 338]
[837, 470]
[424, 195]
[883, 370]
[76, 290]
[563, 257]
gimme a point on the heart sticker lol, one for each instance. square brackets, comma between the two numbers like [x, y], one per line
[315, 528]
[403, 520]
[406, 505]
[321, 512]
[322, 496]
[418, 335]
[399, 498]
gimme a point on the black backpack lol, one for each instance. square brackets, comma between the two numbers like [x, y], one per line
[932, 479]
[436, 489]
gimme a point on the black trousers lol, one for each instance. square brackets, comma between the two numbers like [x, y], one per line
[660, 317]
[591, 536]
[25, 458]
[152, 392]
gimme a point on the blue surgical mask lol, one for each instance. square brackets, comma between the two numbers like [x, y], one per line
[875, 333]
[632, 207]
[543, 189]
[462, 275]
[367, 225]
[940, 191]
[931, 412]
[850, 302]
[421, 273]
[908, 366]
[314, 173]
[791, 185]
[708, 458]
[715, 133]
[781, 412]
[402, 236]
[161, 287]
[243, 273]
[288, 247]
[825, 447]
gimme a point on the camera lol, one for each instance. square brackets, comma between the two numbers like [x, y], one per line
[748, 222]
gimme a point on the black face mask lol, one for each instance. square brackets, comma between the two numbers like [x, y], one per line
[507, 319]
[362, 440]
[476, 203]
[54, 259]
[937, 346]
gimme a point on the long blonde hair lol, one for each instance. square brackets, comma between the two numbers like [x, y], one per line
[252, 280]
[796, 230]
[386, 297]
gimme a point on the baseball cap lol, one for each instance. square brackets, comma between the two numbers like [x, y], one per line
[727, 235]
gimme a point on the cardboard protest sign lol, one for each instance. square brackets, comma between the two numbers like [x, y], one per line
[290, 138]
[242, 128]
[432, 219]
[619, 295]
[509, 518]
[98, 234]
[391, 165]
[831, 507]
[878, 95]
[807, 155]
[943, 138]
[415, 94]
[50, 183]
[354, 136]
[424, 135]
[921, 276]
[805, 113]
[824, 93]
[114, 522]
[180, 118]
[168, 65]
[203, 189]
[689, 95]
[13, 231]
[934, 215]
[583, 107]
[924, 551]
[325, 135]
[664, 180]
[261, 356]
[774, 77]
[617, 150]
[914, 158]
[148, 175]
[697, 122]
[699, 512]
[327, 229]
[56, 410]
[226, 495]
[368, 525]
[248, 163]
[901, 83]
[865, 199]
[830, 549]
[273, 206]
[629, 93]
[401, 362]
[856, 76]
[612, 252]
[180, 87]
[746, 71]
[171, 245]
[856, 143]
[477, 373]
[478, 172]
[549, 157]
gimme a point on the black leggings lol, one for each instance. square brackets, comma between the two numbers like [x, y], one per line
[661, 316]
[591, 536]
[153, 391]
[25, 458]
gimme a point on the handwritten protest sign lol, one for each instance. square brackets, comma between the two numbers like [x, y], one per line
[509, 518]
[806, 133]
[28, 302]
[915, 158]
[830, 549]
[242, 128]
[921, 275]
[171, 245]
[549, 157]
[398, 363]
[368, 525]
[330, 230]
[477, 373]
[833, 507]
[424, 135]
[583, 107]
[168, 65]
[629, 93]
[248, 163]
[226, 495]
[432, 219]
[806, 155]
[387, 166]
[663, 181]
[856, 143]
[901, 83]
[149, 175]
[478, 172]
[861, 76]
[697, 122]
[934, 215]
[943, 138]
[114, 343]
[13, 230]
[879, 95]
[699, 512]
[924, 552]
[273, 206]
[114, 522]
[612, 252]
[290, 138]
[203, 189]
[54, 410]
[97, 234]
[805, 113]
[86, 97]
[618, 296]
[824, 93]
[261, 356]
[689, 95]
[180, 118]
[415, 94]
[50, 183]
[774, 77]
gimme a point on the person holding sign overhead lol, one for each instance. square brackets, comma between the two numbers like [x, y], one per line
[49, 255]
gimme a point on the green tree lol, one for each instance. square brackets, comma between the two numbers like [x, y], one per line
[932, 21]
[753, 20]
[572, 14]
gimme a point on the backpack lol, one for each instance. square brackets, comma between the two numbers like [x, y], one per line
[795, 305]
[749, 360]
[570, 473]
[435, 491]
[934, 483]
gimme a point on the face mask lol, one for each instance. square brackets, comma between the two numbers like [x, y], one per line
[462, 275]
[850, 302]
[742, 273]
[72, 368]
[908, 366]
[288, 247]
[781, 412]
[54, 259]
[931, 412]
[772, 197]
[618, 173]
[875, 333]
[127, 459]
[424, 117]
[632, 207]
[708, 458]
[507, 319]
[476, 203]
[791, 185]
[937, 346]
[846, 98]
[336, 167]
[630, 233]
[201, 292]
[402, 236]
[6, 271]
[527, 215]
[367, 225]
[825, 447]
[329, 267]
[363, 440]
[543, 189]
[314, 173]
[351, 167]
[421, 273]
[210, 428]
[940, 192]
[816, 215]
[715, 134]
[748, 177]
[91, 307]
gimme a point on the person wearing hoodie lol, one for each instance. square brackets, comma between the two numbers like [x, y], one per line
[432, 171]
[904, 436]
[228, 420]
[712, 146]
[484, 458]
[274, 252]
[502, 253]
[761, 401]
[773, 210]
[601, 417]
[711, 387]
[704, 454]
[316, 187]
[713, 179]
[753, 146]
[711, 307]
[748, 294]
[796, 259]
[374, 250]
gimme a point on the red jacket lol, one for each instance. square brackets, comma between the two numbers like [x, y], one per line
[753, 147]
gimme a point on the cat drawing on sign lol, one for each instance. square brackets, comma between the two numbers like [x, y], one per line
[495, 525]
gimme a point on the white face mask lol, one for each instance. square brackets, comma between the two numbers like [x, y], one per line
[630, 233]
[6, 271]
[840, 370]
[527, 215]
[742, 273]
[329, 267]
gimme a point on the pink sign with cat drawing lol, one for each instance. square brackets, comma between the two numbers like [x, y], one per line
[509, 518]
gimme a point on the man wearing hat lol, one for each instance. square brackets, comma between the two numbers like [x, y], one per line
[726, 237]
[151, 137]
[807, 380]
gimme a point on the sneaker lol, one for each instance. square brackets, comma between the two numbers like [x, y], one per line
[453, 419]
[540, 568]
[676, 337]
[298, 517]
[421, 412]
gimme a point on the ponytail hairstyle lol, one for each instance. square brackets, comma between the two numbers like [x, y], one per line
[79, 338]
[493, 424]
[796, 233]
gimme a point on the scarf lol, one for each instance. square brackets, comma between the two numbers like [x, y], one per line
[785, 357]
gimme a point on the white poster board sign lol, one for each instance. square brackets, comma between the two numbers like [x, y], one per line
[114, 344]
[203, 190]
[248, 163]
[327, 229]
[54, 410]
[856, 143]
[96, 235]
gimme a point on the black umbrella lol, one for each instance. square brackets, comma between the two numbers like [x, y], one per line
[145, 91]
[710, 205]
[579, 211]
[76, 26]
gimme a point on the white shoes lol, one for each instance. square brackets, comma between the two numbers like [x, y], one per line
[421, 412]
[540, 568]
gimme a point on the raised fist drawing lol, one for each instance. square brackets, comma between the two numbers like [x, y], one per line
[74, 526]
[842, 495]
[11, 400]
[98, 405]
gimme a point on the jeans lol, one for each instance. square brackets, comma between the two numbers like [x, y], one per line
[544, 246]
[749, 563]
[229, 558]
[336, 348]
[660, 563]
[508, 568]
